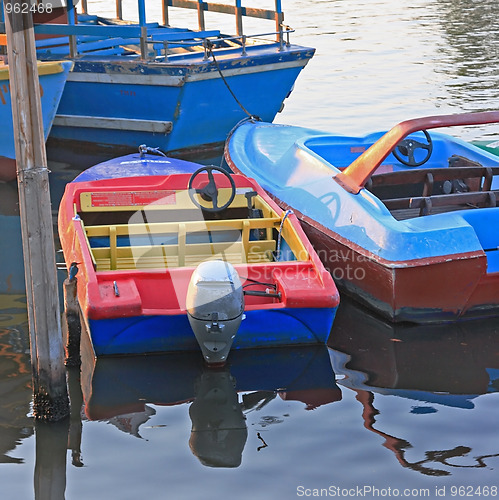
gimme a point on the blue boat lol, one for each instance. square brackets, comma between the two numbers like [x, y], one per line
[401, 219]
[52, 76]
[177, 89]
[170, 254]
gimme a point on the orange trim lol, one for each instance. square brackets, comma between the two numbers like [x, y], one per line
[3, 39]
[358, 172]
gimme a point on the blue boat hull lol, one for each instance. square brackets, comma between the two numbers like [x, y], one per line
[51, 89]
[176, 107]
[274, 327]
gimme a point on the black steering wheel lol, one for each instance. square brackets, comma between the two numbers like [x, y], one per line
[406, 148]
[209, 192]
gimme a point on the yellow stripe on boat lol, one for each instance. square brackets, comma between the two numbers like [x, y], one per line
[44, 68]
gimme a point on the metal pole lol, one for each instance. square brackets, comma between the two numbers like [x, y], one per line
[50, 396]
[279, 19]
[143, 30]
[166, 21]
[239, 18]
[71, 12]
[119, 10]
[201, 15]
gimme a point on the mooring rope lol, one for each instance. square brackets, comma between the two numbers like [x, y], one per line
[209, 45]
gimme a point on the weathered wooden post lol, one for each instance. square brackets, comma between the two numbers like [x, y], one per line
[72, 318]
[50, 466]
[50, 396]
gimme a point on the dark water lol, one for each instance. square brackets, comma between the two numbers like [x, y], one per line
[382, 410]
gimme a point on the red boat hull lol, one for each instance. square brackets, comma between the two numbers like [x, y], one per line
[7, 169]
[408, 291]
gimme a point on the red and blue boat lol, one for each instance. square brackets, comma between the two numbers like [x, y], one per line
[164, 248]
[404, 220]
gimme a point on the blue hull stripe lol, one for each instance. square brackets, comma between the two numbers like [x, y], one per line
[261, 328]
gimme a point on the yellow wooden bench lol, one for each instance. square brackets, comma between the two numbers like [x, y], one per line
[227, 239]
[182, 253]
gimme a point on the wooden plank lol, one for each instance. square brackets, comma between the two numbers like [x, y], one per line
[181, 244]
[113, 246]
[475, 198]
[179, 201]
[98, 122]
[126, 31]
[291, 237]
[190, 226]
[222, 8]
[439, 174]
[245, 236]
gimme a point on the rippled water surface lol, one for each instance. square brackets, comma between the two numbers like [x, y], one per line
[382, 410]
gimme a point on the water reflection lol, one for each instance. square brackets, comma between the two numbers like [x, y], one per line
[219, 430]
[15, 372]
[15, 377]
[120, 391]
[432, 367]
[470, 32]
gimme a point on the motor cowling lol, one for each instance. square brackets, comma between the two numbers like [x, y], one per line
[215, 307]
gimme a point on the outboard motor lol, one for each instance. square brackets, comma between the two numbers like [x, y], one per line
[219, 430]
[215, 306]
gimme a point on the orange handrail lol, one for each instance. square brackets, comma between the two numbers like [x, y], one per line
[354, 177]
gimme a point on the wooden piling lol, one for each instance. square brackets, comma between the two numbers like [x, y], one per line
[50, 396]
[73, 322]
[50, 465]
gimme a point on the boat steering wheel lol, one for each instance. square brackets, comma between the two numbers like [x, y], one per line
[406, 147]
[209, 192]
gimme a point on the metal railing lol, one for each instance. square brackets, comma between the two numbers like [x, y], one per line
[166, 44]
[238, 10]
[72, 30]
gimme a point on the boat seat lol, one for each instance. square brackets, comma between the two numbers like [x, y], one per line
[178, 244]
[454, 201]
[475, 182]
[430, 176]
